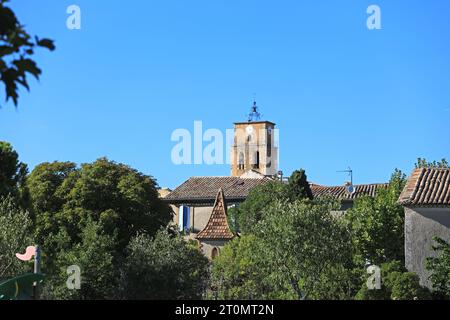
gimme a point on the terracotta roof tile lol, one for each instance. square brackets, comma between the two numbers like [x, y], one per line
[204, 189]
[340, 192]
[427, 186]
[217, 227]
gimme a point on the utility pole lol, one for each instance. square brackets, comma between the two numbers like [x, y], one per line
[37, 270]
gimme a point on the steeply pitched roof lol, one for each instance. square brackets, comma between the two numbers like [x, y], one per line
[204, 189]
[217, 227]
[340, 192]
[427, 187]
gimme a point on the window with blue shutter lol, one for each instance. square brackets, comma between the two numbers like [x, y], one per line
[184, 218]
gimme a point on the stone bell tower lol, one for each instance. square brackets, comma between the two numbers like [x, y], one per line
[255, 146]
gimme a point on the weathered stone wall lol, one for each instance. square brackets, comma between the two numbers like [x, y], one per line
[209, 245]
[421, 225]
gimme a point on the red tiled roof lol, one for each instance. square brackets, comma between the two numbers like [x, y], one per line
[203, 189]
[340, 192]
[217, 227]
[197, 189]
[427, 187]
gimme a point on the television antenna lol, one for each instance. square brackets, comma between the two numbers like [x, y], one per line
[350, 173]
[350, 187]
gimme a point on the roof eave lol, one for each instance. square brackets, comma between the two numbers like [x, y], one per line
[216, 239]
[200, 200]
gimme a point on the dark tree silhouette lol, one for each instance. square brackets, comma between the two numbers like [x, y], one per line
[16, 49]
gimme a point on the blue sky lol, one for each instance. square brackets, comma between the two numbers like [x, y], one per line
[341, 95]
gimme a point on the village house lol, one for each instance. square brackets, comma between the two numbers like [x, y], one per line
[426, 199]
[254, 157]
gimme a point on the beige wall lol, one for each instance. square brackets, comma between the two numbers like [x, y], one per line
[208, 246]
[198, 219]
[421, 225]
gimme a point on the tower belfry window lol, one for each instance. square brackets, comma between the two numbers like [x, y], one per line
[256, 162]
[241, 162]
[269, 142]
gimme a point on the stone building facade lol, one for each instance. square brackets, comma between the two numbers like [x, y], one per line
[426, 199]
[255, 148]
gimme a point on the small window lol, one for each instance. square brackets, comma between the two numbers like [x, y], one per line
[241, 161]
[269, 143]
[184, 218]
[256, 164]
[214, 253]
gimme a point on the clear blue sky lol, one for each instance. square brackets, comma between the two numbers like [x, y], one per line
[340, 94]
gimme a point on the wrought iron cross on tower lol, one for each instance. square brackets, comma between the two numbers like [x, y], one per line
[254, 115]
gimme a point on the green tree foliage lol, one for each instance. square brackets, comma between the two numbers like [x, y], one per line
[46, 187]
[299, 186]
[396, 284]
[12, 173]
[15, 237]
[94, 255]
[405, 286]
[303, 242]
[109, 191]
[293, 253]
[86, 216]
[248, 213]
[16, 49]
[163, 267]
[423, 163]
[123, 200]
[377, 224]
[439, 266]
[241, 272]
[245, 217]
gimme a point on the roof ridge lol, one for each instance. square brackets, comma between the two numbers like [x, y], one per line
[355, 185]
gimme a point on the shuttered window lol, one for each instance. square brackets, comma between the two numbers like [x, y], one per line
[184, 218]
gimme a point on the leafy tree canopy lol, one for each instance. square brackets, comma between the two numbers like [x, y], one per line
[163, 267]
[377, 224]
[16, 49]
[241, 272]
[439, 266]
[396, 284]
[292, 253]
[94, 255]
[15, 236]
[303, 241]
[248, 213]
[299, 186]
[12, 173]
[423, 163]
[123, 200]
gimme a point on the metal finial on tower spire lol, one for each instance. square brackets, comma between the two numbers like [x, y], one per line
[254, 115]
